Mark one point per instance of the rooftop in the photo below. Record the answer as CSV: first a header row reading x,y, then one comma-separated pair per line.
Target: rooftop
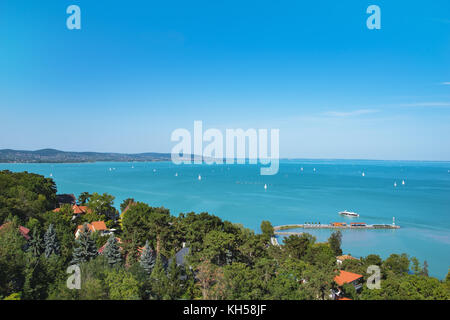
x,y
346,277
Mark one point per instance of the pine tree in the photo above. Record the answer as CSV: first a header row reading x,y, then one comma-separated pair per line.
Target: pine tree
x,y
35,244
159,280
51,242
112,251
425,268
86,249
176,280
148,258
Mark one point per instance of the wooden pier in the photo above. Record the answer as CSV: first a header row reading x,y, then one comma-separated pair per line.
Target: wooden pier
x,y
280,230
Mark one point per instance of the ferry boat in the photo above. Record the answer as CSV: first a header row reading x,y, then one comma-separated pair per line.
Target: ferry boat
x,y
348,213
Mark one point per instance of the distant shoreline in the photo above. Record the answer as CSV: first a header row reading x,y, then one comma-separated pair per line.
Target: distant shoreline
x,y
58,156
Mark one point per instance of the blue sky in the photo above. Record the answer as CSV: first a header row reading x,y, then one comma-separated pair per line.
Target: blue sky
x,y
137,70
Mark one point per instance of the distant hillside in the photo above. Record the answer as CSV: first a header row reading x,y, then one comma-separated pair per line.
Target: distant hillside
x,y
52,155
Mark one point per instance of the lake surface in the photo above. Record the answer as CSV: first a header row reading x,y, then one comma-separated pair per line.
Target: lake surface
x,y
421,206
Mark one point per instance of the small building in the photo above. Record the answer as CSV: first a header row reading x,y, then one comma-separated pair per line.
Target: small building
x,y
346,277
338,224
341,259
358,224
95,226
180,256
77,210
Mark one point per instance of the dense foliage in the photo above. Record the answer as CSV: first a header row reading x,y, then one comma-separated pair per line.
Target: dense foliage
x,y
155,255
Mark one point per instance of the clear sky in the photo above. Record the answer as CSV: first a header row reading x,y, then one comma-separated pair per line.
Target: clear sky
x,y
137,70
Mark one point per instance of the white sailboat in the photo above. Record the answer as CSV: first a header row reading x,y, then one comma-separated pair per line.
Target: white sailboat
x,y
199,177
51,174
265,186
395,183
363,174
403,182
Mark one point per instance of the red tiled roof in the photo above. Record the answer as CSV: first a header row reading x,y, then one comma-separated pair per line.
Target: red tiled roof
x,y
76,209
99,226
94,226
346,277
23,231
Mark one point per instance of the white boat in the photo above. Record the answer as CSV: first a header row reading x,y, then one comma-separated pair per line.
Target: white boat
x,y
265,187
363,174
348,213
395,183
176,174
403,182
199,177
301,169
314,169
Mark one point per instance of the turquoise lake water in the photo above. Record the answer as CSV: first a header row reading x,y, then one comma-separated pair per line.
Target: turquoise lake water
x,y
236,193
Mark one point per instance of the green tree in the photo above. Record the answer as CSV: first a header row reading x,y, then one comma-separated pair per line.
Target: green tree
x,y
12,259
335,242
103,205
112,251
125,203
219,247
83,198
397,264
122,285
297,245
51,242
35,245
159,280
86,249
148,258
176,281
25,195
267,229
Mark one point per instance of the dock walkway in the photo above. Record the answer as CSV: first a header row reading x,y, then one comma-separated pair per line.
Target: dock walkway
x,y
279,230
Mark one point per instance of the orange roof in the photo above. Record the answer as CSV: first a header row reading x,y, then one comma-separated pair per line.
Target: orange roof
x,y
345,257
76,209
99,225
344,298
94,226
346,277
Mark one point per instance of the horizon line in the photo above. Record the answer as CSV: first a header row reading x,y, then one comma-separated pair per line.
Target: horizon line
x,y
190,155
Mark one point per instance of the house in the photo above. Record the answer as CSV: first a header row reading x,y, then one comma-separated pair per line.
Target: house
x,y
95,226
23,231
180,256
63,199
346,277
77,210
341,259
